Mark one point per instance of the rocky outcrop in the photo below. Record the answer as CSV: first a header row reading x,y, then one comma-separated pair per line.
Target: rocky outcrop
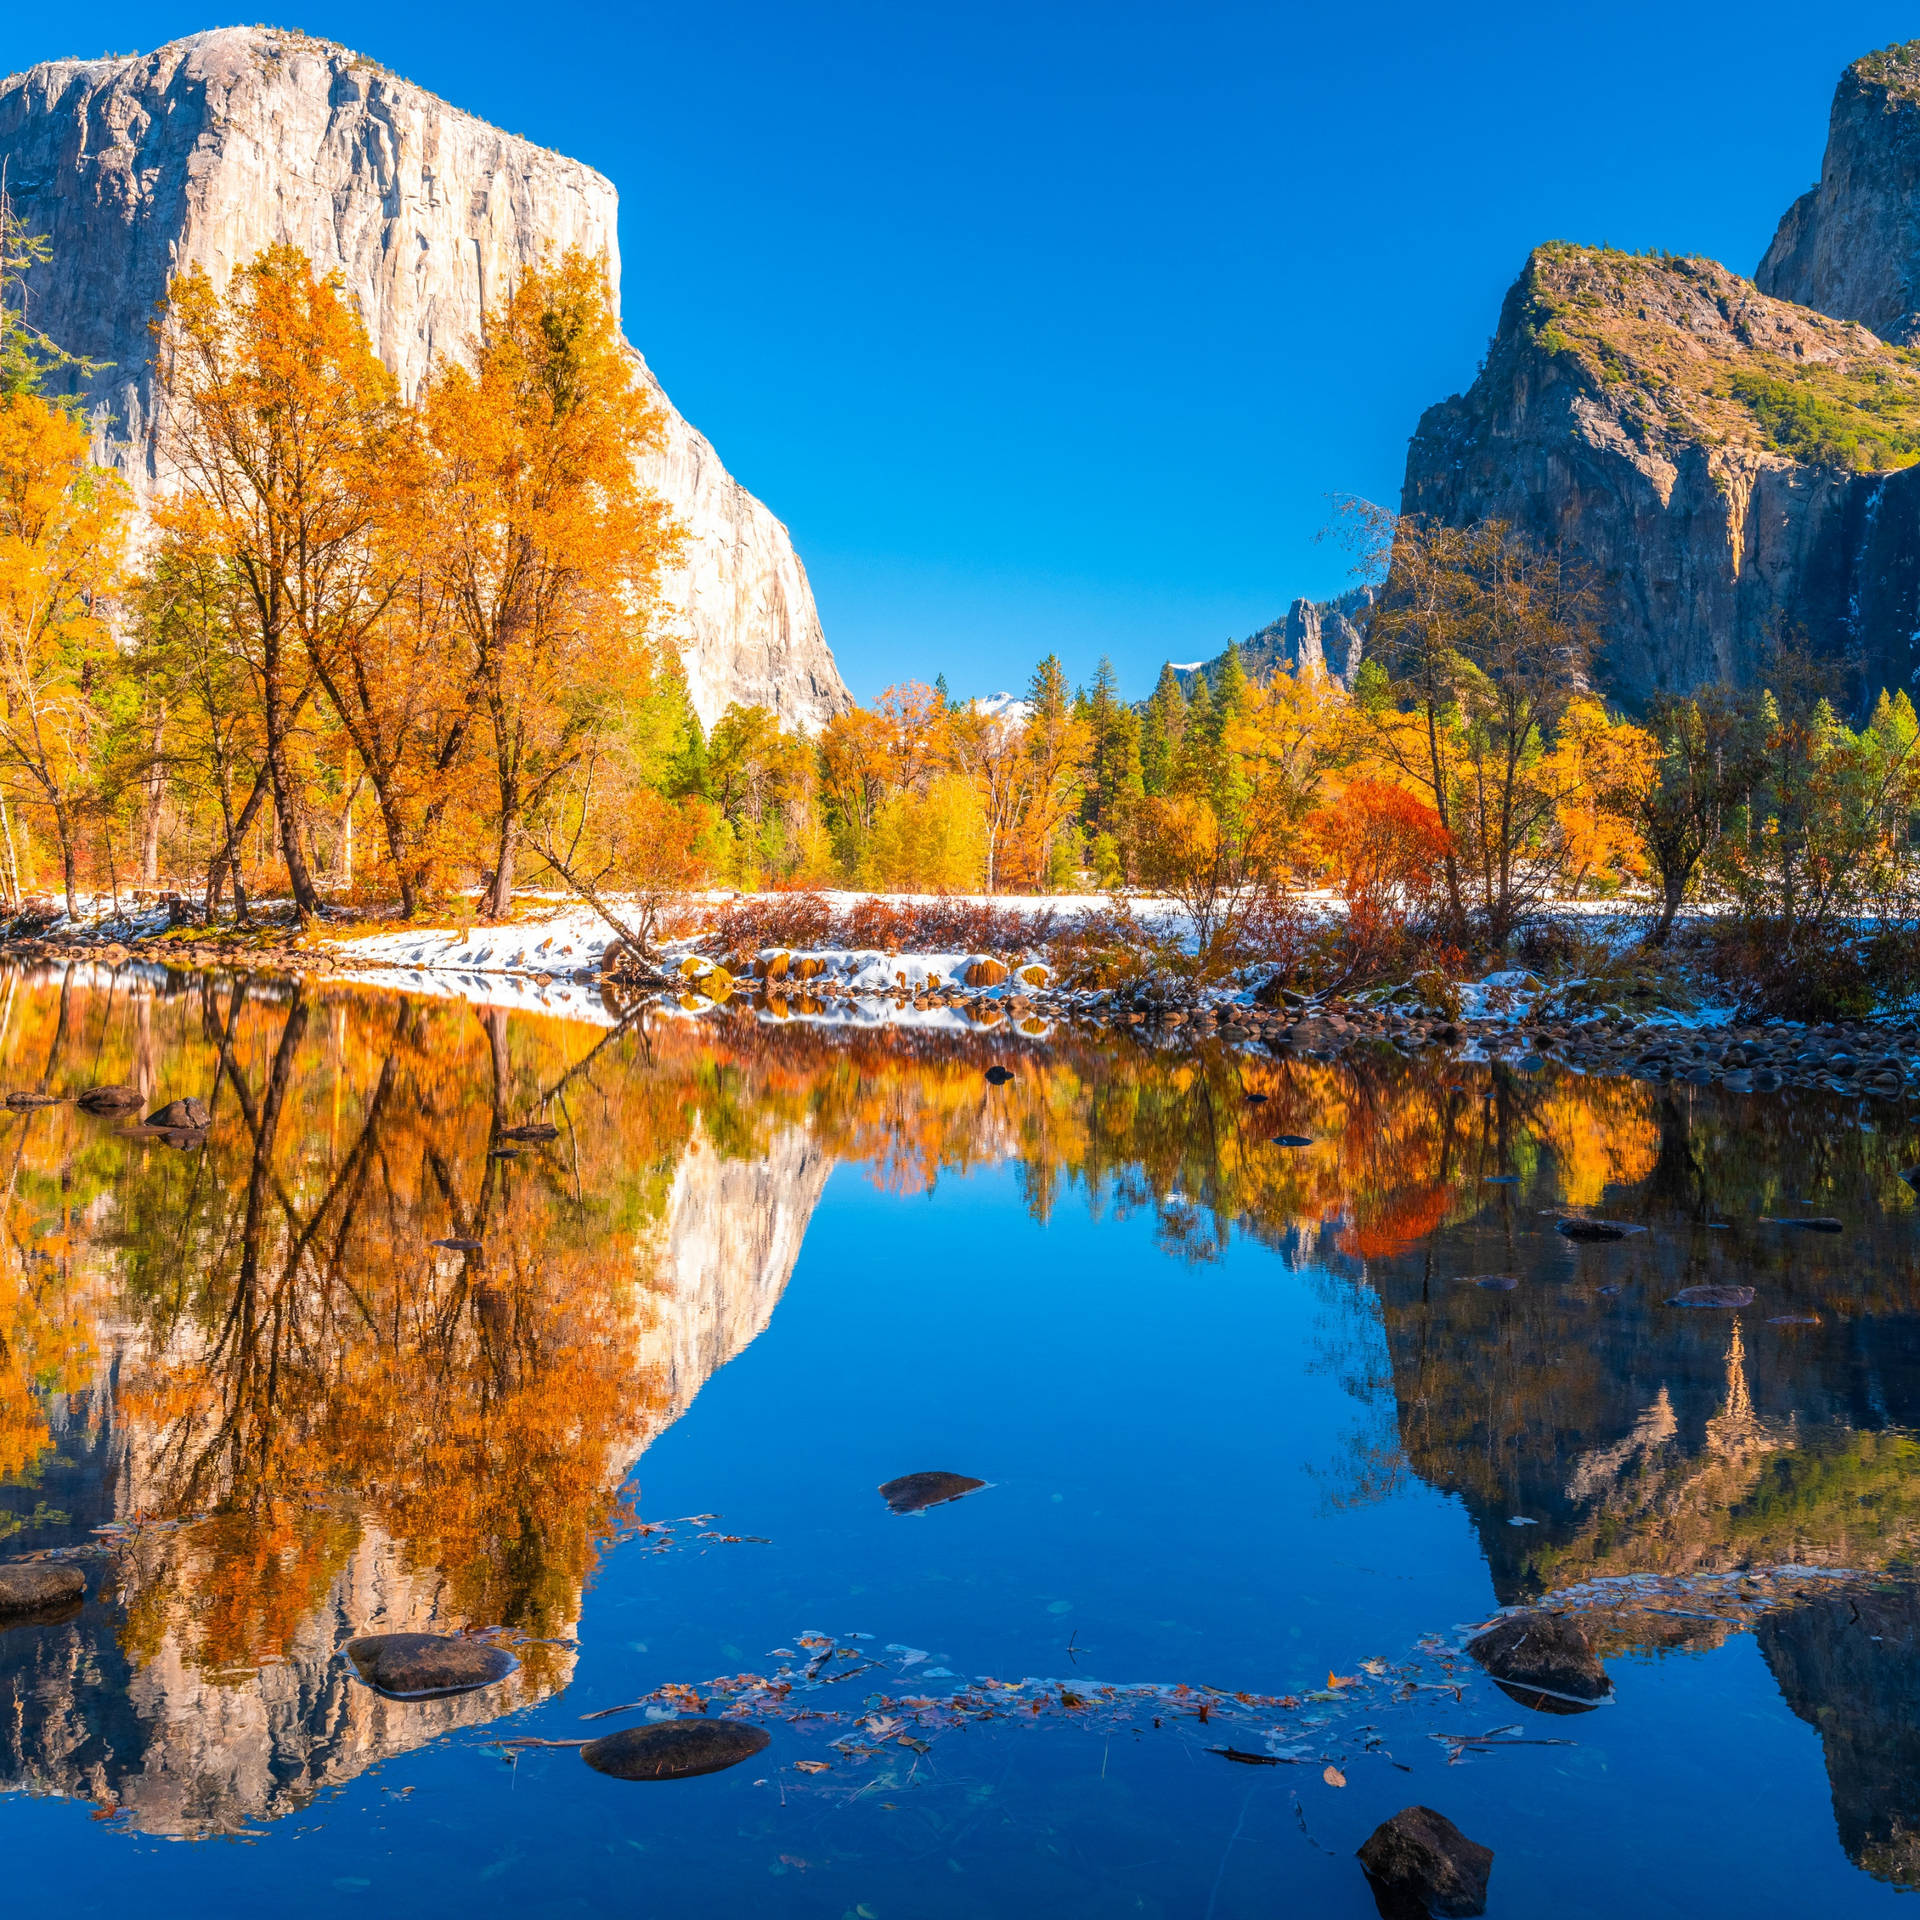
x,y
1322,636
1731,468
216,146
1850,245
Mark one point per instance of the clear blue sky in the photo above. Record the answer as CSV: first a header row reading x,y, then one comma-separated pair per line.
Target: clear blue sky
x,y
1052,327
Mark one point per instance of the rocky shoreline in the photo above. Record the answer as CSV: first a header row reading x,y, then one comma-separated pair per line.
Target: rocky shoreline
x,y
1869,1057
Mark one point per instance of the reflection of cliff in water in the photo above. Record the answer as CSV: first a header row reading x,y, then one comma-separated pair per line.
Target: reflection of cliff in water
x,y
124,1706
1636,1436
1849,1665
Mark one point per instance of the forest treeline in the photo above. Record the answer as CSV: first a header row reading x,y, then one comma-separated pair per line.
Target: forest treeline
x,y
380,651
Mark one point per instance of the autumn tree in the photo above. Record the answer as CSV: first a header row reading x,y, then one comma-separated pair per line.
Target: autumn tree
x,y
549,549
288,440
62,531
1488,640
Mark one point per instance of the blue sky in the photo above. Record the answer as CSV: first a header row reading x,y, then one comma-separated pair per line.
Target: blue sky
x,y
1051,327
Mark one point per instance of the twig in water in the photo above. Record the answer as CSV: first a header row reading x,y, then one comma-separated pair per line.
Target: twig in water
x,y
1213,1898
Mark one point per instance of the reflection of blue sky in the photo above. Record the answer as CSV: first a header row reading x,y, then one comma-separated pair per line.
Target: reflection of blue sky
x,y
1168,1446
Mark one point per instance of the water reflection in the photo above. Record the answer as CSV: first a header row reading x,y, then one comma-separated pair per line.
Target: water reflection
x,y
243,1376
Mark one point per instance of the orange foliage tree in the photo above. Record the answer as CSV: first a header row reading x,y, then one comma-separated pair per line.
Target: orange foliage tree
x,y
1384,847
549,549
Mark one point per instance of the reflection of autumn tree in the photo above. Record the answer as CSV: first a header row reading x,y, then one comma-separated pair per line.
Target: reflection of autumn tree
x,y
299,1363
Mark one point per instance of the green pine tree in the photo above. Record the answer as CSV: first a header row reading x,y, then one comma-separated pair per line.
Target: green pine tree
x,y
1161,728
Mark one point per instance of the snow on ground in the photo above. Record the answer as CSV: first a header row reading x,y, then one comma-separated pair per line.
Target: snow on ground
x,y
561,943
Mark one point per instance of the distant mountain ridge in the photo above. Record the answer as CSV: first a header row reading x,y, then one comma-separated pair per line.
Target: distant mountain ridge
x,y
1325,636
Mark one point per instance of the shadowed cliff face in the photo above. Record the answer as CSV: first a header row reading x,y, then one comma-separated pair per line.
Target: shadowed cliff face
x,y
1850,246
1849,1665
219,145
1608,419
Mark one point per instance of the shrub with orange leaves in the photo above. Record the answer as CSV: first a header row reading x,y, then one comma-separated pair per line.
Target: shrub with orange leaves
x,y
1384,847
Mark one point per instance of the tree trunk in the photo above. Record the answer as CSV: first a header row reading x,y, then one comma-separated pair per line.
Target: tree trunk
x,y
156,793
228,858
63,826
306,898
499,901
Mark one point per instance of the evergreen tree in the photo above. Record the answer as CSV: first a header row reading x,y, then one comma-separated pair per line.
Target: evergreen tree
x,y
1231,689
1115,772
1161,728
1194,760
941,697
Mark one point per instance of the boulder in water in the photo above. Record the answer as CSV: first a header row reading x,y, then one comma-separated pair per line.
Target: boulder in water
x,y
674,1749
1540,1653
424,1666
112,1099
531,1130
998,1076
31,1098
1814,1223
1420,1863
915,1492
1712,1297
180,1116
1293,1140
1596,1229
33,1588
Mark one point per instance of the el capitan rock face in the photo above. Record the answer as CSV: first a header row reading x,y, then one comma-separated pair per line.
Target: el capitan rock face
x,y
218,145
1850,245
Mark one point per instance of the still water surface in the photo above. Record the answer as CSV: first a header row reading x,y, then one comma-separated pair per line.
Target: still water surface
x,y
1246,1418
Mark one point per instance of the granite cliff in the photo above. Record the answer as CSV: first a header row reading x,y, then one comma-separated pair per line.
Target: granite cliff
x,y
1850,245
1734,459
1733,468
220,144
1319,636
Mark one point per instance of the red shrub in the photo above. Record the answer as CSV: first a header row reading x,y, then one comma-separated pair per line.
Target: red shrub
x,y
1384,846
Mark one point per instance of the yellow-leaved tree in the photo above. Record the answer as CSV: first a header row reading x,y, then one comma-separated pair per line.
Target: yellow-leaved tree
x,y
546,549
62,538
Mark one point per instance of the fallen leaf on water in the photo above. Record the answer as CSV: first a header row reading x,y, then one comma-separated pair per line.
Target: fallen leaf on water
x,y
1374,1667
811,1766
1336,1681
1334,1777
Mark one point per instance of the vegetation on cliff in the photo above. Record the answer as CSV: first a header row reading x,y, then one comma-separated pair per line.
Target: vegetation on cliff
x,y
1684,352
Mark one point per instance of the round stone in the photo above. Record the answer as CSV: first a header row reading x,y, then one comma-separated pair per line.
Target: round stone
x,y
674,1749
38,1586
423,1666
913,1492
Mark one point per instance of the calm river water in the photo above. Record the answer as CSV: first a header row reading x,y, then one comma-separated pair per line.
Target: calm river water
x,y
1248,1418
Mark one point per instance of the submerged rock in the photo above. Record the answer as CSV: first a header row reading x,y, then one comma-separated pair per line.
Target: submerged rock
x,y
112,1099
1537,1653
31,1098
180,1116
1712,1297
913,1492
456,1245
423,1666
674,1749
1494,1282
1292,1140
1815,1223
30,1587
1420,1863
998,1076
1596,1229
531,1130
